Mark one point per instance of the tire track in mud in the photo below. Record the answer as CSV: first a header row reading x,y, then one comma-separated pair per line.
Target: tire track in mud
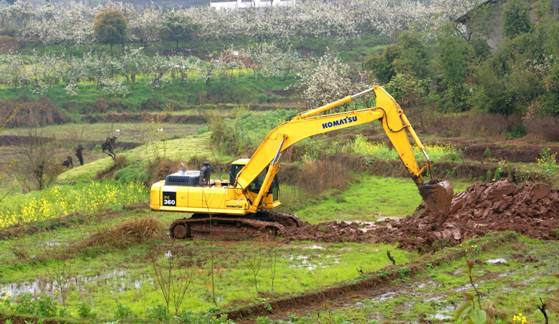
x,y
374,284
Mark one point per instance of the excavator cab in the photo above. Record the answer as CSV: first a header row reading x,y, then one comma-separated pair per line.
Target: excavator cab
x,y
255,186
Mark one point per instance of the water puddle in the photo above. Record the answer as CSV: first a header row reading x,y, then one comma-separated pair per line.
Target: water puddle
x,y
312,263
118,279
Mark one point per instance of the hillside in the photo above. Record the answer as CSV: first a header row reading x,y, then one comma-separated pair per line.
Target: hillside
x,y
339,216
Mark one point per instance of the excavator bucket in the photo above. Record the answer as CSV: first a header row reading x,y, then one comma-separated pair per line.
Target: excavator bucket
x,y
437,196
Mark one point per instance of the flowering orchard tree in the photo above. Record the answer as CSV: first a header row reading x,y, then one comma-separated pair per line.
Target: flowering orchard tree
x,y
42,71
69,21
329,80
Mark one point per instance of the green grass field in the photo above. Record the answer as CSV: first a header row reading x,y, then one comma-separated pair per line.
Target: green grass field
x,y
170,95
528,274
368,199
104,275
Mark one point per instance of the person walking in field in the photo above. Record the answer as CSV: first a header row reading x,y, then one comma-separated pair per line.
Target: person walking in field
x,y
109,146
69,162
79,153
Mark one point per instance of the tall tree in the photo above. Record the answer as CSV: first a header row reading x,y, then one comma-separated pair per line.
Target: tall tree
x,y
110,27
177,28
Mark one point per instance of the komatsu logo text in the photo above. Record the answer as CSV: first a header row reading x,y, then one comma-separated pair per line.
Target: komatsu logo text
x,y
343,121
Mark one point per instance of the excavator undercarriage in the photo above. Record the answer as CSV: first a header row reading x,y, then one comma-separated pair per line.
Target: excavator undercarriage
x,y
263,223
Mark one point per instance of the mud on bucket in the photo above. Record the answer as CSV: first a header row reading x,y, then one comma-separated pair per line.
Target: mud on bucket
x,y
437,196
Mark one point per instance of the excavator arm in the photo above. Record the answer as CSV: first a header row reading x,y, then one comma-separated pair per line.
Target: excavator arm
x,y
393,120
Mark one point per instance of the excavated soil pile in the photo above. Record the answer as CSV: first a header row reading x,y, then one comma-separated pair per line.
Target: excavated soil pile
x,y
531,209
123,235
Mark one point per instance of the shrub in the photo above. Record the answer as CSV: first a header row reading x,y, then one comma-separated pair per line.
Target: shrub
x,y
8,44
85,311
42,306
407,89
382,65
123,312
158,312
322,175
547,162
516,18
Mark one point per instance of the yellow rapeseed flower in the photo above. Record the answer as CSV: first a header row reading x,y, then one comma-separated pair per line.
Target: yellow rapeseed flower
x,y
519,319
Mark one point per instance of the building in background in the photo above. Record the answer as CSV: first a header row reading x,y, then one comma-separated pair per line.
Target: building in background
x,y
240,4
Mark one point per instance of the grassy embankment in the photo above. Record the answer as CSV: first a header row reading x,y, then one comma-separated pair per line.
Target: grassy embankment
x,y
528,274
244,88
99,276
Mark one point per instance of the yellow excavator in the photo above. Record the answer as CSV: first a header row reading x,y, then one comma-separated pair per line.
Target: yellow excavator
x,y
250,195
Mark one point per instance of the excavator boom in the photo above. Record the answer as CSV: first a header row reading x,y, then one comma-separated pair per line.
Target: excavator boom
x,y
249,191
396,125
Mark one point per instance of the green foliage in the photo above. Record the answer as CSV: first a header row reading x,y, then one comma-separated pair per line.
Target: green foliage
x,y
207,318
456,71
159,313
246,131
176,28
516,18
413,57
404,272
409,57
110,27
263,320
85,311
407,89
469,313
134,172
42,306
123,312
516,131
503,168
453,55
379,151
382,64
547,162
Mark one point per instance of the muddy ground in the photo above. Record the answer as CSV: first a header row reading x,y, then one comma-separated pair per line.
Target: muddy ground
x,y
531,209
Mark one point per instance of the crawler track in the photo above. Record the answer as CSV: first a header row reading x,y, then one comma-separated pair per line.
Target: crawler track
x,y
264,223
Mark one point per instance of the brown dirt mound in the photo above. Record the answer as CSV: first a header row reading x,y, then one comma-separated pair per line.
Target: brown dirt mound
x,y
34,113
125,234
531,209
